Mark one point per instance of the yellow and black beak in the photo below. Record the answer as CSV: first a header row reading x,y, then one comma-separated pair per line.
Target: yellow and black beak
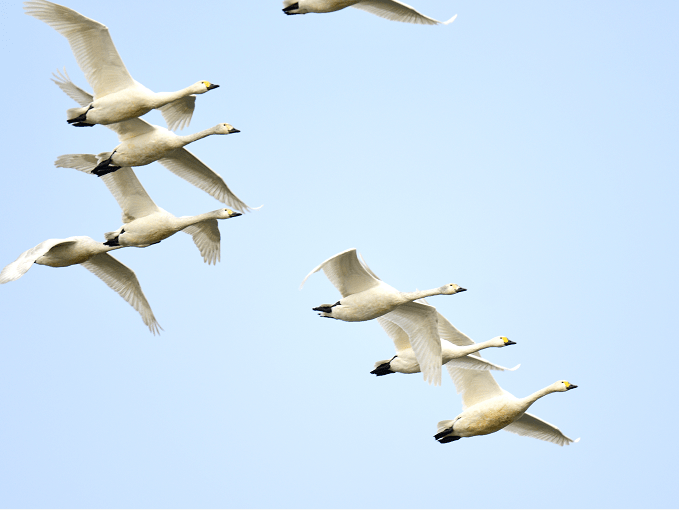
x,y
509,342
235,214
213,86
570,386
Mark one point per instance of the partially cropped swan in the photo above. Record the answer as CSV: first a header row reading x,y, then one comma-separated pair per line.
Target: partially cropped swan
x,y
137,148
366,297
457,349
144,222
488,408
92,256
117,96
389,9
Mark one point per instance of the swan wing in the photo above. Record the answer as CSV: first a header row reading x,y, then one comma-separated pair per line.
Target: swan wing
x,y
452,334
23,263
420,324
177,114
346,273
206,236
130,194
122,279
398,11
187,166
475,385
91,44
81,162
130,128
64,82
471,362
396,333
532,426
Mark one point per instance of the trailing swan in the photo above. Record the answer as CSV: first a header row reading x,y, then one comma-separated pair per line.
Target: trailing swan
x,y
457,349
389,9
137,148
488,408
366,297
92,256
117,96
144,222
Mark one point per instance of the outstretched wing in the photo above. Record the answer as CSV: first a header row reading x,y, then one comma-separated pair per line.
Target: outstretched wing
x,y
206,236
475,385
532,426
177,114
472,362
91,44
420,324
130,194
64,82
396,333
398,11
122,279
187,166
346,273
23,263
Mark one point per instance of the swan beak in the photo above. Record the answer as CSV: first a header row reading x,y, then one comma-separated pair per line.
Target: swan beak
x,y
235,215
234,130
570,386
461,289
509,342
213,86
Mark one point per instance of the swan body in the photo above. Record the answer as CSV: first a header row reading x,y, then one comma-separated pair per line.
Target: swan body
x,y
389,9
488,408
141,143
144,222
92,256
117,96
366,297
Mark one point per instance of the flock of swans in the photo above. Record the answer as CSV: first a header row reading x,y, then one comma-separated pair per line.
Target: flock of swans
x,y
424,339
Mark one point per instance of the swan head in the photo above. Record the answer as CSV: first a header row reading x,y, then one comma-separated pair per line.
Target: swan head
x,y
202,87
563,386
502,341
225,129
451,288
225,214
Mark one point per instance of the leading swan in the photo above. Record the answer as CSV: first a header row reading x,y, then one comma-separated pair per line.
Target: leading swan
x,y
117,96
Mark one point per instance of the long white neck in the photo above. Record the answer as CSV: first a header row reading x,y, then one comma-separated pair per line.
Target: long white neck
x,y
162,98
469,349
186,221
185,140
528,401
419,294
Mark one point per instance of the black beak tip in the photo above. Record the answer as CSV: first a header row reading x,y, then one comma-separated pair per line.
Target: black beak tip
x,y
572,386
234,130
213,86
236,214
509,342
461,289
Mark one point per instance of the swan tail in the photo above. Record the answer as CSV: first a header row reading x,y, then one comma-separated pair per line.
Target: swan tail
x,y
383,368
77,114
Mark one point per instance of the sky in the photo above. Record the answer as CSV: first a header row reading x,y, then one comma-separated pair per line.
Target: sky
x,y
527,152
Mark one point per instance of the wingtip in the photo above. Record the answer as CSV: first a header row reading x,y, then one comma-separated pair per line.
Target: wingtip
x,y
512,369
450,20
576,440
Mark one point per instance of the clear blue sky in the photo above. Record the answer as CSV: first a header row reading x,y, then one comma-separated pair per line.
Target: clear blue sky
x,y
527,152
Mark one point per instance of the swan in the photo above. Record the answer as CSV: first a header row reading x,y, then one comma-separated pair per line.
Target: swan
x,y
144,222
92,256
389,9
117,96
488,408
137,135
366,297
457,349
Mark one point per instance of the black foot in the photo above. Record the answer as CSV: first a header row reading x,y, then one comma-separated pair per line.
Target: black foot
x,y
448,439
444,433
81,124
112,242
80,118
291,8
383,369
326,309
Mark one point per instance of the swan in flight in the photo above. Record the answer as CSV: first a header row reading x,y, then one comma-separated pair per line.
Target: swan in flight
x,y
117,96
457,349
389,9
137,131
366,297
488,408
92,256
144,222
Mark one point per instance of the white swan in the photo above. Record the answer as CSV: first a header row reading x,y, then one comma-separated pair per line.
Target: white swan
x,y
92,256
117,96
457,349
138,136
488,408
144,222
389,9
366,297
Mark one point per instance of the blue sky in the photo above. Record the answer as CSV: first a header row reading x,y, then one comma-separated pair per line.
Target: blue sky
x,y
527,152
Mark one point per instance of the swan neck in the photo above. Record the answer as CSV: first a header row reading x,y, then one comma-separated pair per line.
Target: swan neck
x,y
538,394
163,98
187,221
470,349
187,139
419,294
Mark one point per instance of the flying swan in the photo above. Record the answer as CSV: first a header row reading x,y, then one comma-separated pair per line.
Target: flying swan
x,y
488,408
117,96
92,256
389,9
143,143
366,297
144,222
